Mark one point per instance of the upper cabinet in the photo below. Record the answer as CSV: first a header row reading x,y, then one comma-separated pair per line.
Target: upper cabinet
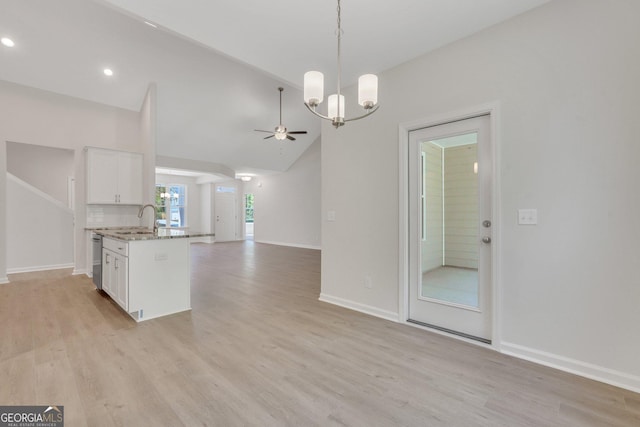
x,y
114,177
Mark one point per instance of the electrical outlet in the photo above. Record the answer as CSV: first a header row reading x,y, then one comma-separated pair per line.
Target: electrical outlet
x,y
527,216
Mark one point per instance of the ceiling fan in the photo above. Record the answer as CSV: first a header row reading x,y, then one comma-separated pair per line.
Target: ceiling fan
x,y
280,131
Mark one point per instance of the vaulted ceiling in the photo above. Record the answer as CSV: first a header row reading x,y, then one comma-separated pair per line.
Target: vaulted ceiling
x,y
218,64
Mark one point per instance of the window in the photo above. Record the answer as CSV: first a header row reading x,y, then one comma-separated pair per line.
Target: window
x,y
248,208
171,203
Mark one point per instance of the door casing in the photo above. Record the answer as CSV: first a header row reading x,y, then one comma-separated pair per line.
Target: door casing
x,y
493,110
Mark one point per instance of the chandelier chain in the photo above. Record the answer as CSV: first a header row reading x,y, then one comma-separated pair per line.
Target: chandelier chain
x,y
339,60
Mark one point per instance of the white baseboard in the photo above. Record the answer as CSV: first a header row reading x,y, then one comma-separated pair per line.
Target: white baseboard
x,y
206,239
363,308
77,272
4,280
584,369
38,268
293,245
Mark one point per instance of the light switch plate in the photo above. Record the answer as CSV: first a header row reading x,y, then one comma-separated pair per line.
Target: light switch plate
x,y
331,215
527,216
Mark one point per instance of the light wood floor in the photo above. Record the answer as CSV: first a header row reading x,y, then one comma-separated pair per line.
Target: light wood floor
x,y
259,349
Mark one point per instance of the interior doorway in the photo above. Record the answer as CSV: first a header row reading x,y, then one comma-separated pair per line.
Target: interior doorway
x,y
450,227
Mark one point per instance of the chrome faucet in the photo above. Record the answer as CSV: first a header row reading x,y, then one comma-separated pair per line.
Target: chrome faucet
x,y
155,214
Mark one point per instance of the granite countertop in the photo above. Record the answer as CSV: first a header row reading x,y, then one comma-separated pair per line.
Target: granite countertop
x,y
128,234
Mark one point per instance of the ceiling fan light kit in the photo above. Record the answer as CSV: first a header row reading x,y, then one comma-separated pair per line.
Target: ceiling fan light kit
x,y
280,132
314,91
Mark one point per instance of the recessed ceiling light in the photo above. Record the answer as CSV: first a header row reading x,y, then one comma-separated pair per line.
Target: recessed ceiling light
x,y
151,24
108,72
7,42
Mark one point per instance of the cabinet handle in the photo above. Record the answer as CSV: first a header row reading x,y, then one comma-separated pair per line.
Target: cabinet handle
x,y
107,259
116,263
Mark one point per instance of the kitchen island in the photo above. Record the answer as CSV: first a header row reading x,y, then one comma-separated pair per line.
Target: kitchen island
x,y
147,273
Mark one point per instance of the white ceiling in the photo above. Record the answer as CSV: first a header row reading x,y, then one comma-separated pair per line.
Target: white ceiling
x,y
217,64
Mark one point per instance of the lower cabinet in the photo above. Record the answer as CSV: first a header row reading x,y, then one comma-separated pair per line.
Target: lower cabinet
x,y
115,277
147,278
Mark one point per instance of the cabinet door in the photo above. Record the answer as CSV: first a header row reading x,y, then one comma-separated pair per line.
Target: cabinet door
x,y
122,282
102,183
130,178
107,271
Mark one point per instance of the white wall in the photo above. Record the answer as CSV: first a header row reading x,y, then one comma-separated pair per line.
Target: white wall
x,y
460,207
39,229
206,201
37,117
46,168
148,137
565,76
287,205
432,245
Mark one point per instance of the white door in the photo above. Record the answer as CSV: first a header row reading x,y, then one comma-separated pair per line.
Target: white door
x,y
226,215
450,221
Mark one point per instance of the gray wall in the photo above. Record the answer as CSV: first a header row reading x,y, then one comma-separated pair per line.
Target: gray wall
x,y
45,168
565,76
287,205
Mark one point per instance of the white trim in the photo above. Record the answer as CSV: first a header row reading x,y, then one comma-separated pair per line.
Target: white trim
x,y
493,109
4,280
71,193
362,308
449,335
38,268
293,245
584,369
77,272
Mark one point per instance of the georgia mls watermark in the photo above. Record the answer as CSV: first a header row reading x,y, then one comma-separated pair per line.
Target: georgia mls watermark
x,y
31,416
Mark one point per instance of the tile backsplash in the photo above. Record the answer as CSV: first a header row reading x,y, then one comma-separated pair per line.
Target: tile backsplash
x,y
112,216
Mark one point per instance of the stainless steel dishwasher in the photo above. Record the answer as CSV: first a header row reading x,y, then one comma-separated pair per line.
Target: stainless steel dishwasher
x,y
96,243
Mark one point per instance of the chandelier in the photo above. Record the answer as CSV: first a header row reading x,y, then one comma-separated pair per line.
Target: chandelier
x,y
314,91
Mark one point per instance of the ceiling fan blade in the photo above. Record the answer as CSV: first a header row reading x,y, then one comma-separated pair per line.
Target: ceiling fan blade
x,y
296,132
267,137
267,131
289,137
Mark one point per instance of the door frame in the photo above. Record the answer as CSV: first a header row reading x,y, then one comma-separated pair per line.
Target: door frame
x,y
493,110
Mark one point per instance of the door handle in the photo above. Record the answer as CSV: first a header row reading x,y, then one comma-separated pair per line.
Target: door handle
x,y
486,239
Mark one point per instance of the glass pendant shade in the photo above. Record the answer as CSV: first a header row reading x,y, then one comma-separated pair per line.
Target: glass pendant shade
x,y
314,91
332,106
313,87
280,136
368,90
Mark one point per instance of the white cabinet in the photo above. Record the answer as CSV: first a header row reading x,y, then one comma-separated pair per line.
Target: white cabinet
x,y
115,271
130,178
114,177
107,259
